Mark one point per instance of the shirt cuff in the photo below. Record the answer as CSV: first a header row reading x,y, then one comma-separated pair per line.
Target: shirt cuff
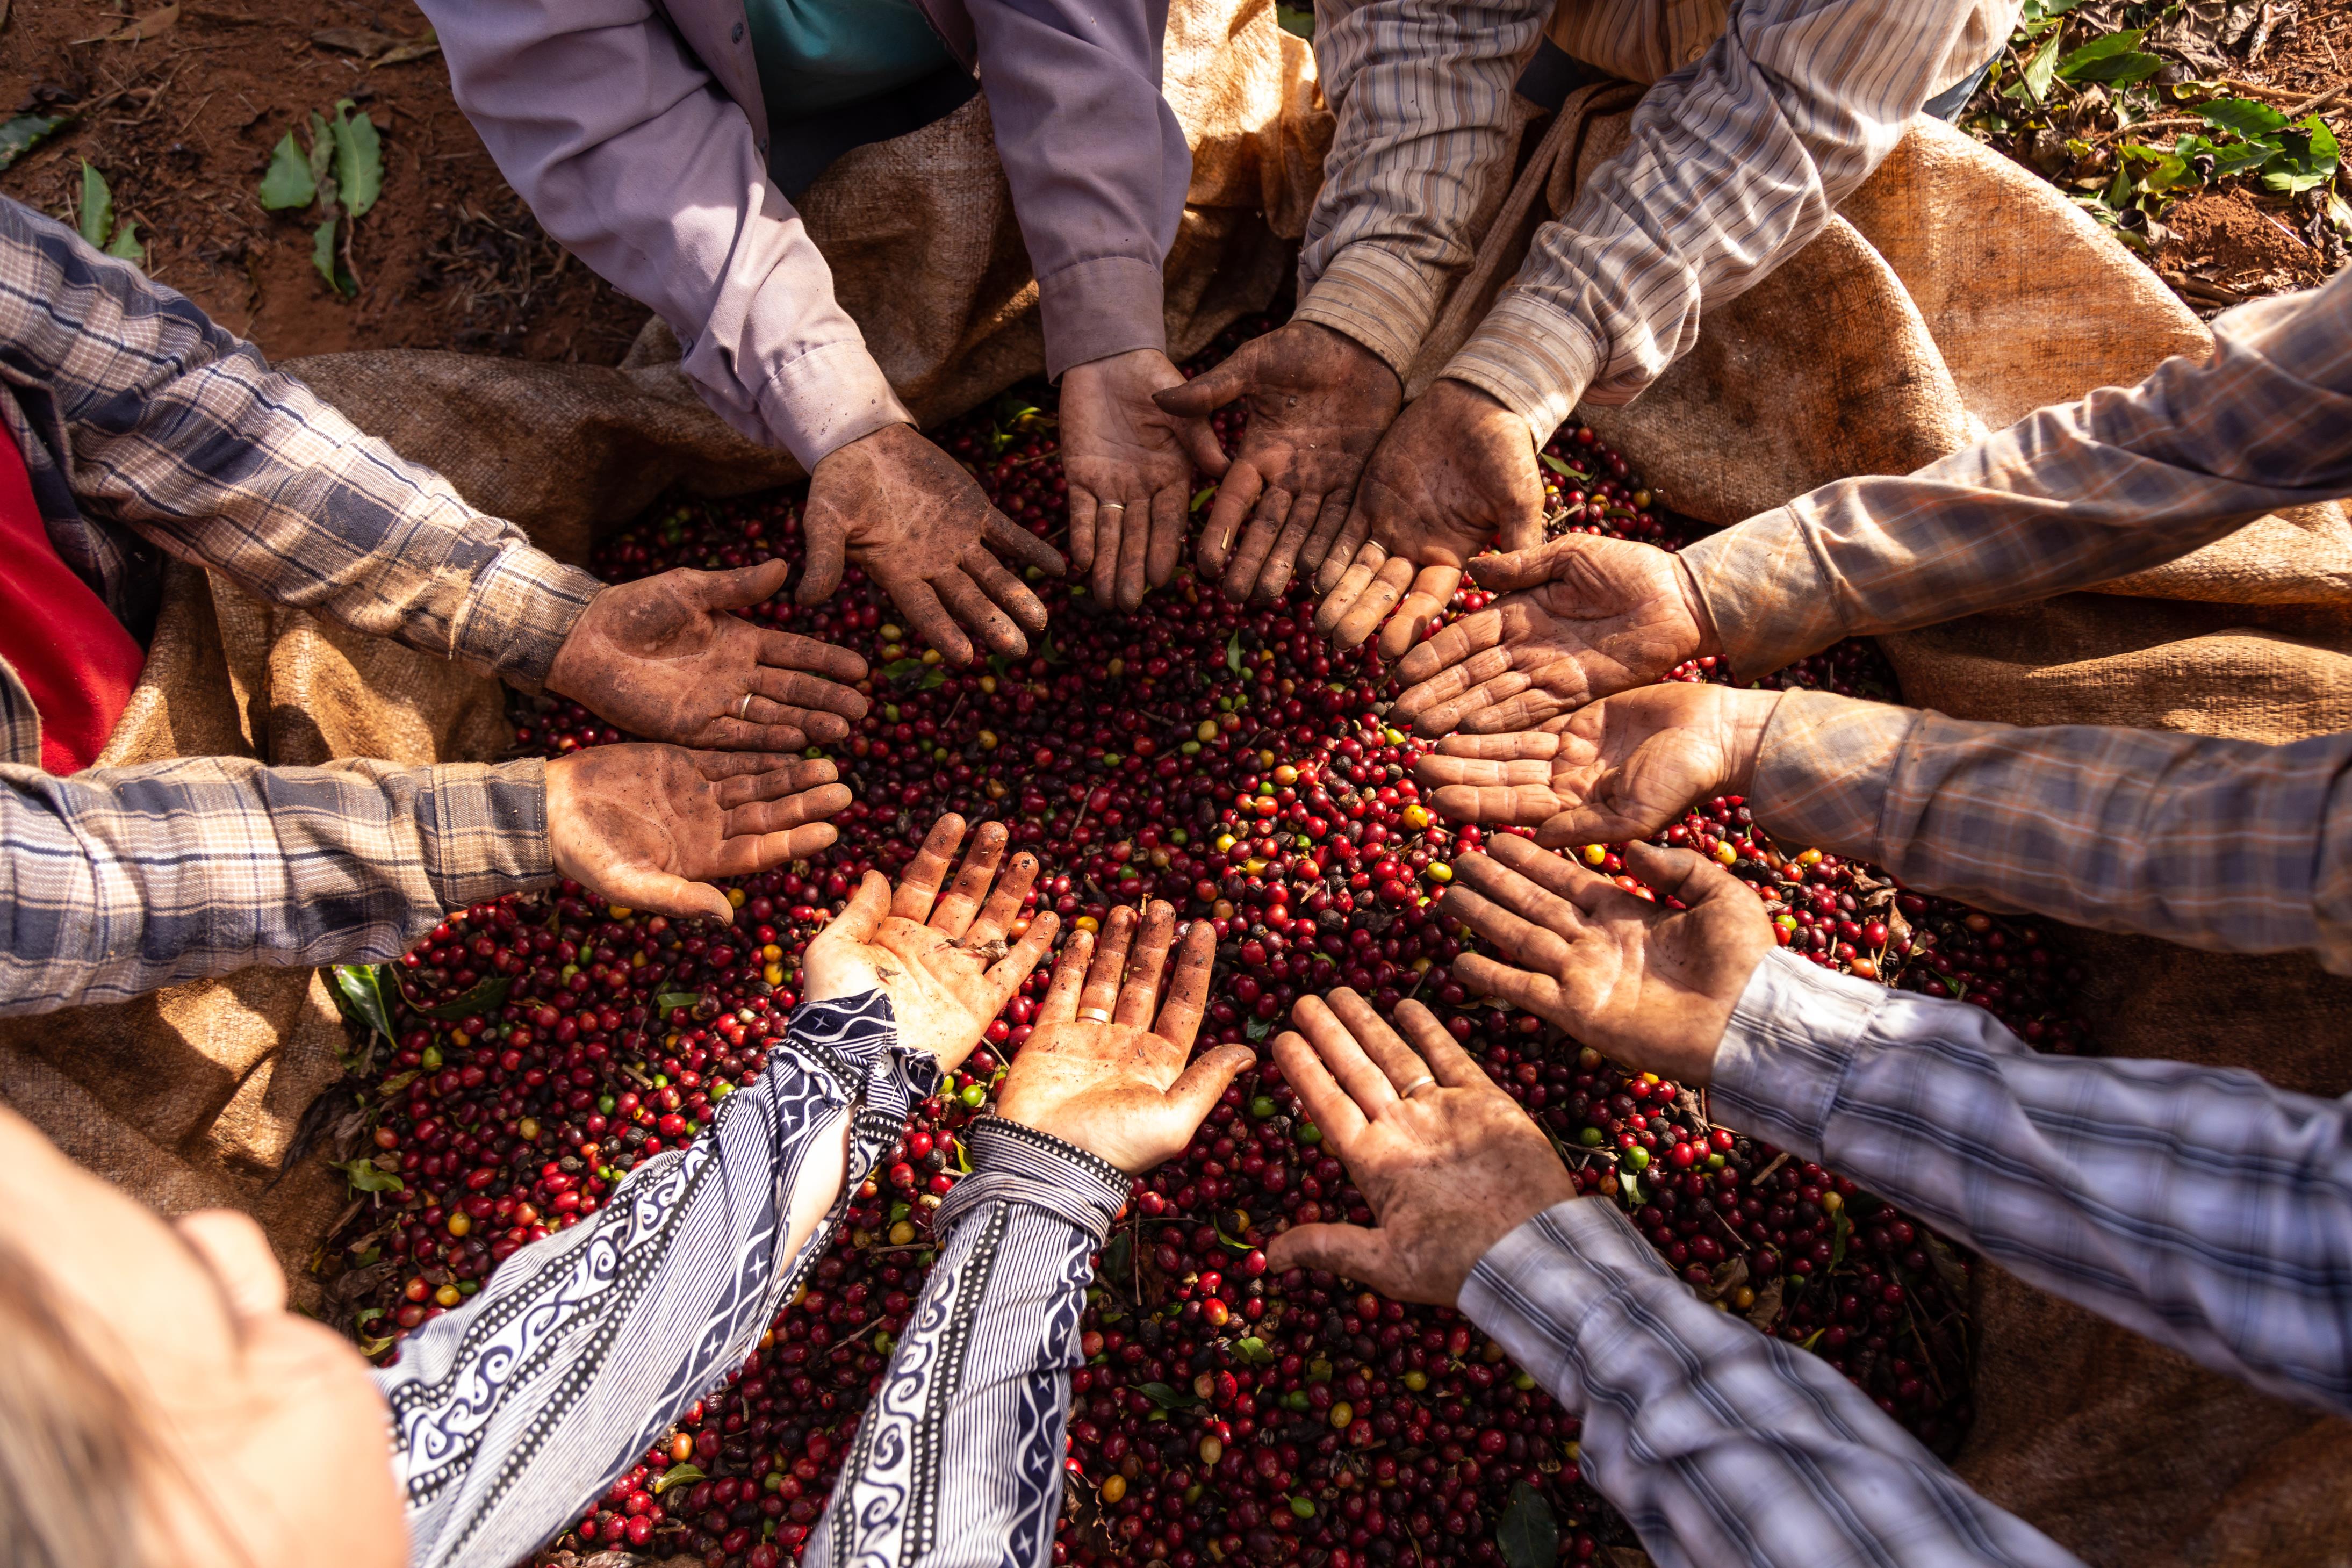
x,y
1012,1162
825,399
1785,1051
1535,360
1535,1288
517,613
1378,298
1765,590
1095,308
854,1041
482,828
1825,769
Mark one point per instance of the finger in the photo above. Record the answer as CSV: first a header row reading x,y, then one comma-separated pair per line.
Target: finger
x,y
953,915
751,853
646,888
1197,1088
827,669
1534,745
1471,635
1522,988
1326,1103
1502,806
1452,1066
1382,1044
821,568
1443,701
1200,440
1168,515
1024,547
1111,523
1139,995
1534,927
1081,529
1343,1053
1257,543
862,916
1351,1251
1339,600
1027,610
976,611
1061,1003
1518,704
1330,516
1557,873
1004,906
921,606
1372,608
1237,498
239,1258
804,693
1101,994
741,588
1274,575
1188,992
1681,874
1015,966
1354,534
742,776
919,884
1207,391
730,733
1516,571
1134,542
783,815
1432,588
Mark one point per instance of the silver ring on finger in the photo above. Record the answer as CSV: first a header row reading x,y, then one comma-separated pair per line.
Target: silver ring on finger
x,y
1416,1086
1094,1015
743,709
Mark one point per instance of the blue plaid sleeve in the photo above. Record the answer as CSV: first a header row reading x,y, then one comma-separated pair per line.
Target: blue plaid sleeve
x,y
2198,1206
119,880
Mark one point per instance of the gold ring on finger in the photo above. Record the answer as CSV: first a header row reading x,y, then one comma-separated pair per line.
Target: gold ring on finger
x,y
743,709
1095,1015
1112,506
1416,1086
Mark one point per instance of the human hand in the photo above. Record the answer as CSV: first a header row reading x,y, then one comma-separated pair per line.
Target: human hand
x,y
1652,986
942,959
1448,1162
1317,402
1585,616
1130,463
1120,1089
1625,768
1454,471
653,826
917,524
661,657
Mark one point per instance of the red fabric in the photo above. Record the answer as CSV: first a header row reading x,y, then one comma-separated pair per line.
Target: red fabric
x,y
72,655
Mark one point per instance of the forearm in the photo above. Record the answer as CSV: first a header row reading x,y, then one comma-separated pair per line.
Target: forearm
x,y
2070,496
958,1460
1720,1446
1421,92
1096,160
1732,166
2199,1207
2218,844
629,154
121,880
511,1412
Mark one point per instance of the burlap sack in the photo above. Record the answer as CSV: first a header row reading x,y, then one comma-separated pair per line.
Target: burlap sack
x,y
1953,293
193,1096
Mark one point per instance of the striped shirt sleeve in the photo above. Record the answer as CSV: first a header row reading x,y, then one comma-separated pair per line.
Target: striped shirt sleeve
x,y
159,421
2198,1206
1734,163
2228,845
2069,496
514,1411
1722,1448
117,881
958,1461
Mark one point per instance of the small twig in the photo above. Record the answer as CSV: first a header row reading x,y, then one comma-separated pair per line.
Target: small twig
x,y
855,1335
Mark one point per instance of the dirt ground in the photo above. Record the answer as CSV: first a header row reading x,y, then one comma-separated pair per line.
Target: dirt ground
x,y
181,123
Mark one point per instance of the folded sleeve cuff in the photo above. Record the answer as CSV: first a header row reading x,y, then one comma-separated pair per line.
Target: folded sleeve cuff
x,y
825,399
483,830
1765,590
1095,308
1376,298
1825,769
1535,360
1534,1288
517,613
1017,1163
1785,1051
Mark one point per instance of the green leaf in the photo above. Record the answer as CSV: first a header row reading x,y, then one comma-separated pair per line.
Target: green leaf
x,y
1258,1028
1253,1351
287,183
97,207
2042,65
669,999
1528,1534
480,1002
2308,158
363,993
1234,652
1840,1228
2114,59
1200,496
1296,21
2242,115
678,1476
1630,1186
322,256
322,161
1231,1243
1118,1257
364,1175
1165,1397
1556,466
24,132
358,159
127,246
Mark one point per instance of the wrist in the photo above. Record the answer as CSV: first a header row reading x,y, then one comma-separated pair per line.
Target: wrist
x,y
1746,719
1449,398
1706,642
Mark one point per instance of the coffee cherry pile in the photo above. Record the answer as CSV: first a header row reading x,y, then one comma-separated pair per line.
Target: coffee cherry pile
x,y
1227,760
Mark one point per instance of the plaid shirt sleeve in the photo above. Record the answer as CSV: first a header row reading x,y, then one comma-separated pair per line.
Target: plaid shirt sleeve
x,y
164,423
958,1461
2196,1205
1719,1445
119,881
2067,497
2217,844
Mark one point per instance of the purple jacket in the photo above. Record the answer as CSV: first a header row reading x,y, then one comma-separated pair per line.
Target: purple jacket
x,y
636,132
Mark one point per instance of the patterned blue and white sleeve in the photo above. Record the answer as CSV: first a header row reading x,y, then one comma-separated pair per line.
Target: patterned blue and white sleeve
x,y
958,1462
509,1414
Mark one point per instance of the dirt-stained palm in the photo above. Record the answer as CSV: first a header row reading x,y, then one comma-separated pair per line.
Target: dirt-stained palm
x,y
1131,465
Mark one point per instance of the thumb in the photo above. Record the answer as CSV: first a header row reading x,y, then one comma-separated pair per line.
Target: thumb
x,y
1355,1251
742,587
862,916
821,574
1196,1090
1518,569
1206,393
1209,459
644,887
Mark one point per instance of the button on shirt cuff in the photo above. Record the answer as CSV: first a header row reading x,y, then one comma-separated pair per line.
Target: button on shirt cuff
x,y
1015,1162
1785,1051
1095,308
1376,298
